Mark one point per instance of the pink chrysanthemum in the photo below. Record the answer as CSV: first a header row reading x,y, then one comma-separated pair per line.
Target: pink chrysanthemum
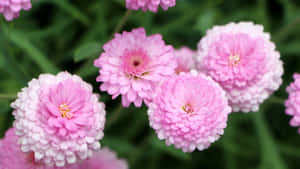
x,y
104,159
293,102
185,59
151,5
189,111
243,60
11,8
132,64
59,119
11,156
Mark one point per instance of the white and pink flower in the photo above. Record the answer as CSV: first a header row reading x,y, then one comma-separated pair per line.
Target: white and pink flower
x,y
243,60
59,119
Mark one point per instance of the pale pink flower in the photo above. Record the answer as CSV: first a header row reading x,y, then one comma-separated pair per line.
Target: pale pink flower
x,y
104,159
151,5
132,64
59,119
11,156
243,60
185,59
11,8
293,103
189,111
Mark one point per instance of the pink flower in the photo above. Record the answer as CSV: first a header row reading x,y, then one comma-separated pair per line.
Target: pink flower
x,y
11,8
11,156
151,5
189,111
104,159
243,60
293,103
185,59
132,64
59,119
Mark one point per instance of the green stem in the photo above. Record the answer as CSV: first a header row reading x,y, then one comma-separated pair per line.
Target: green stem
x,y
275,99
116,114
122,22
135,155
117,29
286,30
269,151
7,96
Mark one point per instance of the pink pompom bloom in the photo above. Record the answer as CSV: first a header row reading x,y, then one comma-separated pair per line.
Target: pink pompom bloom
x,y
189,111
243,60
185,59
11,8
151,5
104,159
59,119
293,103
11,156
132,64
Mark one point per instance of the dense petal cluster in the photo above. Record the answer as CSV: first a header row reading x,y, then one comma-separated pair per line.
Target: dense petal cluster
x,y
293,103
185,59
151,5
11,8
11,156
243,60
132,64
59,119
189,111
104,159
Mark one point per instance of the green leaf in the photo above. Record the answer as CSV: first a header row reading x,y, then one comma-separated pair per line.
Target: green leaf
x,y
121,2
72,10
121,146
33,53
287,29
2,61
290,48
4,113
13,70
87,69
159,144
86,51
206,20
269,151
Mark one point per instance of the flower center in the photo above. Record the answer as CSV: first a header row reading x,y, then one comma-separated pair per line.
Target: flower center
x,y
65,111
234,59
136,63
188,108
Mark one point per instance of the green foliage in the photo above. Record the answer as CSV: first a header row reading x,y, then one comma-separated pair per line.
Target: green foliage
x,y
33,53
87,50
176,153
58,35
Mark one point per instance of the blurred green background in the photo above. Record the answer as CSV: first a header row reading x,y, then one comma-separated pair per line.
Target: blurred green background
x,y
59,35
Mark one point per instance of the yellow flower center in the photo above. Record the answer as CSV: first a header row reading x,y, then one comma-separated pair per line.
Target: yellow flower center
x,y
65,111
188,108
234,59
